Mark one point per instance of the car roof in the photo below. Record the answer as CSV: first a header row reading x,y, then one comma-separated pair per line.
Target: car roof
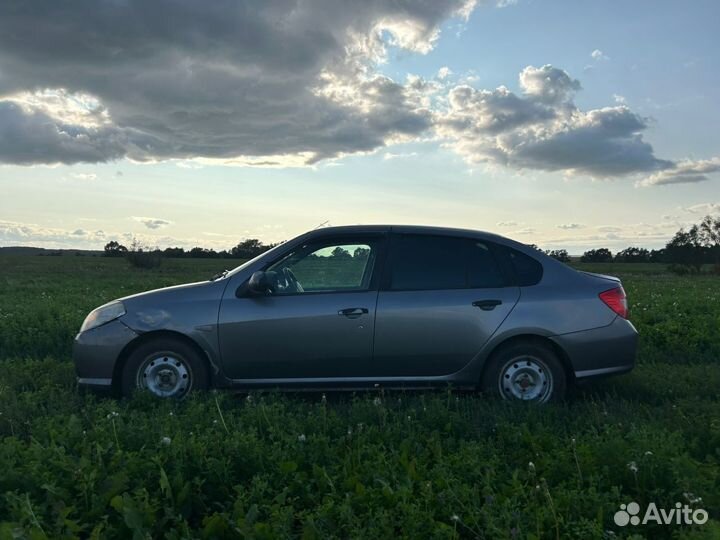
x,y
413,229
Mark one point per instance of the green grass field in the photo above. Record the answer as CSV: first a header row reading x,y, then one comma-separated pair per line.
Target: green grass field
x,y
370,465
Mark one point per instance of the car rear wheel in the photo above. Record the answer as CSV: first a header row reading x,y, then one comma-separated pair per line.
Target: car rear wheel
x,y
166,368
525,372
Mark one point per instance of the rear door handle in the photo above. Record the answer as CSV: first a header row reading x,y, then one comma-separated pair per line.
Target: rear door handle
x,y
353,312
487,305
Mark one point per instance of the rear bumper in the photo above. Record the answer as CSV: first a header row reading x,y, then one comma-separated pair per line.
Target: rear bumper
x,y
600,352
96,351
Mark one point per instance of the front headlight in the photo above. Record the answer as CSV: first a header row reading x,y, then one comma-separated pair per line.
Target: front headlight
x,y
103,314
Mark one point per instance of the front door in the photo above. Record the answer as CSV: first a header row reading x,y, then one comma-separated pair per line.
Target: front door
x,y
317,322
441,300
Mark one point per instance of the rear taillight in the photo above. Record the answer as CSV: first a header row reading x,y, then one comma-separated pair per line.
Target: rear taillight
x,y
616,300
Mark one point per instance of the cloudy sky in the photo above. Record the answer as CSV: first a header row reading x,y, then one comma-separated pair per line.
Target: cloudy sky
x,y
566,124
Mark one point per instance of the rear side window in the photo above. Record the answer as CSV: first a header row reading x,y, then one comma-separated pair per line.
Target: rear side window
x,y
427,262
482,268
420,262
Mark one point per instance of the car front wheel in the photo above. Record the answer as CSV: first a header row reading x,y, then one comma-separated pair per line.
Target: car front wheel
x,y
525,372
166,368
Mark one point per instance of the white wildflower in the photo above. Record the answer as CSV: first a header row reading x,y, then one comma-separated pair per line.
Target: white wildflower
x,y
166,441
301,437
633,467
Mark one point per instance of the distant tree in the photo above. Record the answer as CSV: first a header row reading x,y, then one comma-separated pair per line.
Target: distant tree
x,y
559,254
686,249
361,253
141,256
710,237
658,256
202,253
174,252
633,255
340,253
597,255
114,249
247,249
534,246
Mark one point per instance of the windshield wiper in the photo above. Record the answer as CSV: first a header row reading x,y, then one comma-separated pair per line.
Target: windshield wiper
x,y
219,275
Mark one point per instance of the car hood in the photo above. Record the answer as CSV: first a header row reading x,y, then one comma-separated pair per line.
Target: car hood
x,y
181,307
166,292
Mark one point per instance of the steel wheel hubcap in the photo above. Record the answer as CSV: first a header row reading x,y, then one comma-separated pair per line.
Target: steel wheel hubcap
x,y
526,379
165,376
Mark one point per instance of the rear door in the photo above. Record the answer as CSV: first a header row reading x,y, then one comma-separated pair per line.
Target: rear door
x,y
441,299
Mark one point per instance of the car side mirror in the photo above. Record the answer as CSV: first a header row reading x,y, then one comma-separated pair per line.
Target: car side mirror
x,y
259,284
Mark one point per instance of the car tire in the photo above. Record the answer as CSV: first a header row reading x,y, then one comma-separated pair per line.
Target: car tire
x,y
167,368
525,371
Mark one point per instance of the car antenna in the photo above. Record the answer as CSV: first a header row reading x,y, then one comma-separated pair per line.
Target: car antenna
x,y
323,223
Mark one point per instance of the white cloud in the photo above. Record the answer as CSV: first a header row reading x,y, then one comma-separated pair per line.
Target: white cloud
x,y
85,176
298,85
507,224
443,73
32,234
620,100
390,155
682,172
599,56
569,226
15,233
151,222
703,208
263,84
543,129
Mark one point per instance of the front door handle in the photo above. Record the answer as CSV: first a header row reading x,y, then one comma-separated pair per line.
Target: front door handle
x,y
487,305
353,312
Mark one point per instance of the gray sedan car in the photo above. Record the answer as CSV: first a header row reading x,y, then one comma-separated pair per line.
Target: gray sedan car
x,y
362,306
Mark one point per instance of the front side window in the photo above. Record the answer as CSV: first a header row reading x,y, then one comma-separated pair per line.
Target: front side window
x,y
325,267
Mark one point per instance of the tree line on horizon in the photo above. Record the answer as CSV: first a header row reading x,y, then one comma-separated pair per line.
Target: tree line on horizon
x,y
247,249
686,252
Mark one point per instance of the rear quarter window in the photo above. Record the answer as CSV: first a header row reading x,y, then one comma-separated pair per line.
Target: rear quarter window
x,y
527,270
522,270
